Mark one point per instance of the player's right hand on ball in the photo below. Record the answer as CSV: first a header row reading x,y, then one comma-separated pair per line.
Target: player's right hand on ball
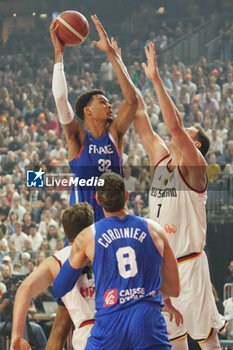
x,y
57,44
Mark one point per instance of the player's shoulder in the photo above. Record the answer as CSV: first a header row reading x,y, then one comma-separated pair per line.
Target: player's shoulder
x,y
62,254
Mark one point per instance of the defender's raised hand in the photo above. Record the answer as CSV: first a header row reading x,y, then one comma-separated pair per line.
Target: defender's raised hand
x,y
115,46
151,68
103,43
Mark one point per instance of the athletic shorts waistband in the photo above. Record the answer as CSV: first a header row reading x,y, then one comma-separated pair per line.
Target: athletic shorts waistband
x,y
87,323
188,257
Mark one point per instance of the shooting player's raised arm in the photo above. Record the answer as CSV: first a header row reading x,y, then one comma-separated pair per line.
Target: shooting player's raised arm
x,y
74,131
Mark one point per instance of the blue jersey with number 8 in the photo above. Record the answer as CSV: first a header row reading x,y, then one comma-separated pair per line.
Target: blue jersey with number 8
x,y
97,156
127,265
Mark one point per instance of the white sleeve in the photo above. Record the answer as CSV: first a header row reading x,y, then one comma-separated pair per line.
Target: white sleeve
x,y
60,93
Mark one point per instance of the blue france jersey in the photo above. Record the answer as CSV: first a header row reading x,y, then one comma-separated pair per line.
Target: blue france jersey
x,y
127,264
97,156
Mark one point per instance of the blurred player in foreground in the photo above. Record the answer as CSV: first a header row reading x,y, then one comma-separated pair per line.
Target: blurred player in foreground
x,y
81,305
132,263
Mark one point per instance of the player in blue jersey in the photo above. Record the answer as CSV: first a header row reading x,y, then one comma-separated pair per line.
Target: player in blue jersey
x,y
134,269
97,148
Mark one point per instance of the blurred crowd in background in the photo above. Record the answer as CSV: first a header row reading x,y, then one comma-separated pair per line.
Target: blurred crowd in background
x,y
31,137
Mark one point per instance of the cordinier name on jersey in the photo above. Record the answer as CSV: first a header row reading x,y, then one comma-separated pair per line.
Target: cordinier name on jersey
x,y
129,294
99,149
119,233
163,192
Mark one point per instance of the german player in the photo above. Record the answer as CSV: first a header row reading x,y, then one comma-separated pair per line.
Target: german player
x,y
177,201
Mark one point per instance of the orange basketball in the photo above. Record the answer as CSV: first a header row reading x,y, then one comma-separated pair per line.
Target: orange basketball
x,y
73,28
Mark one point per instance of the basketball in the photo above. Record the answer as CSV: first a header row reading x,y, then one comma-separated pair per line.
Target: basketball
x,y
73,28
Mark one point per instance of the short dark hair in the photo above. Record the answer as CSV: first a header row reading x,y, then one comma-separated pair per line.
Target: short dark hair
x,y
76,218
203,139
84,99
112,194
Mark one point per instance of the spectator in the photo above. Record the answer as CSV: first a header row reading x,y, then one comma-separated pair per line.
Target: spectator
x,y
22,129
202,95
229,152
45,247
6,276
229,278
43,150
55,153
28,247
35,237
191,87
31,265
4,208
106,75
27,222
129,180
41,257
13,217
52,236
19,237
9,163
216,144
46,221
214,89
213,169
210,104
52,124
33,135
228,85
15,145
24,262
2,286
17,207
222,131
24,161
3,249
52,139
41,123
228,313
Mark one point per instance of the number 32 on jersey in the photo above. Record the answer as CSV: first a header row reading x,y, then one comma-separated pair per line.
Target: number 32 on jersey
x,y
104,165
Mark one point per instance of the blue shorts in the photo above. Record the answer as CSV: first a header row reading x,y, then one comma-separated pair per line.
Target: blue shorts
x,y
138,327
